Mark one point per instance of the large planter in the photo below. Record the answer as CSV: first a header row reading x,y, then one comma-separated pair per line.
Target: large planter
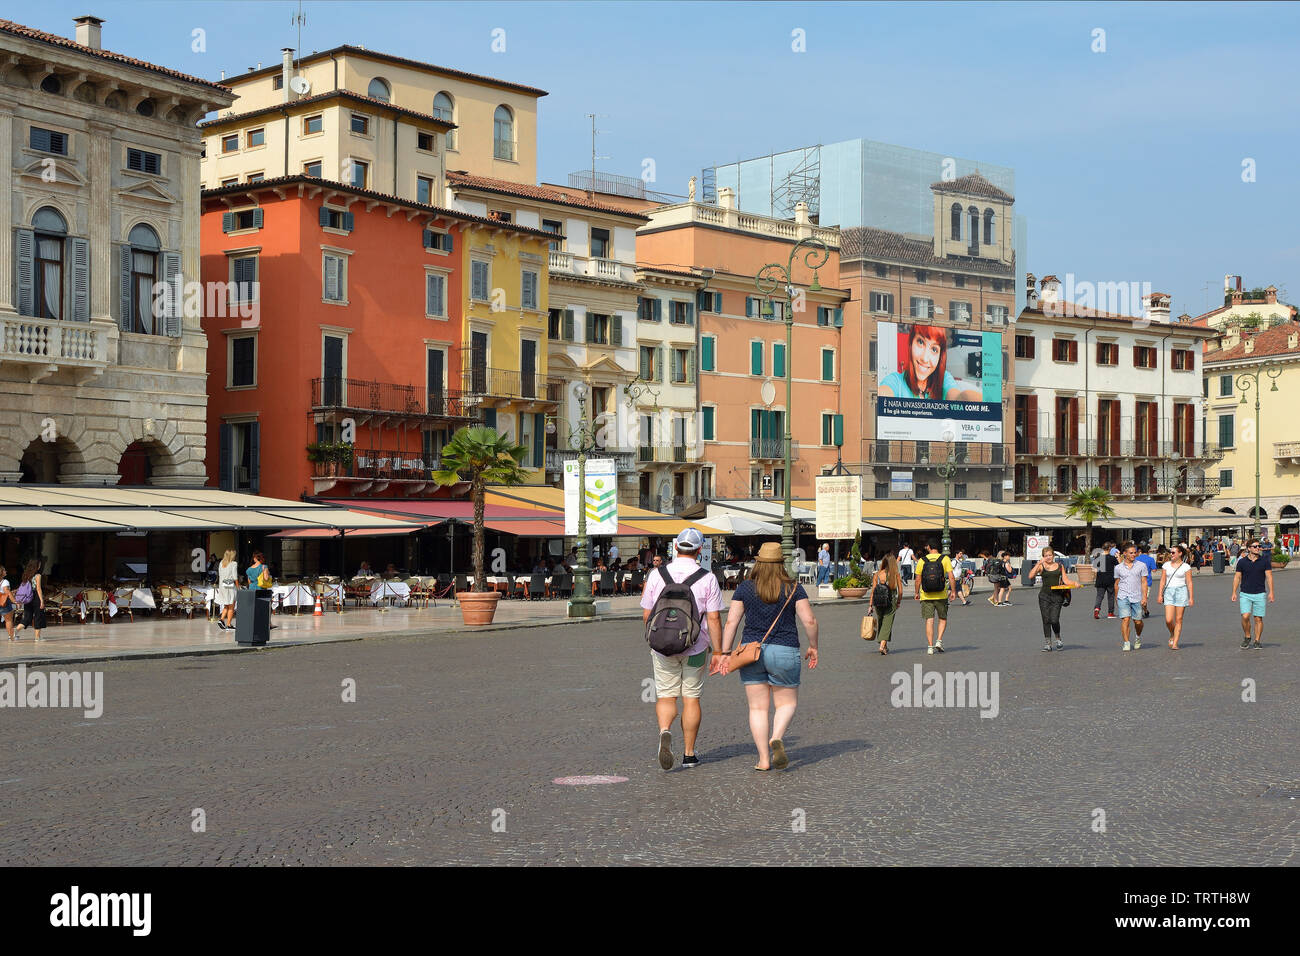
x,y
478,607
1085,573
852,592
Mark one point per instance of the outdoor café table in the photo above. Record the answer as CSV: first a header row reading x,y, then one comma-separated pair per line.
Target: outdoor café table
x,y
134,598
395,591
524,580
497,582
292,595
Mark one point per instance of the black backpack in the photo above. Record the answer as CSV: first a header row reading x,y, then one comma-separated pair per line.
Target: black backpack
x,y
882,597
674,622
932,574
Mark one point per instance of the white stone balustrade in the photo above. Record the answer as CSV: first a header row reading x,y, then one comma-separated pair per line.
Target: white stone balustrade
x,y
52,342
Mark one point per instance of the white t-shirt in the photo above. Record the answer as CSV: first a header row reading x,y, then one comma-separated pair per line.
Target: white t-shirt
x,y
1176,577
613,553
906,556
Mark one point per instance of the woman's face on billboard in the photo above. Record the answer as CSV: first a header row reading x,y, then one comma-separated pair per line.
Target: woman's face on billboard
x,y
925,357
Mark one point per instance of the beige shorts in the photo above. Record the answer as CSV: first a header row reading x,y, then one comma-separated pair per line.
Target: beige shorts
x,y
676,678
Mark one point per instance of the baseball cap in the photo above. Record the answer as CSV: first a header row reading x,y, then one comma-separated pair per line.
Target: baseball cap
x,y
690,540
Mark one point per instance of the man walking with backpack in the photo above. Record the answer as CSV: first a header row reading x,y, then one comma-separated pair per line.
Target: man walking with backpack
x,y
683,615
935,587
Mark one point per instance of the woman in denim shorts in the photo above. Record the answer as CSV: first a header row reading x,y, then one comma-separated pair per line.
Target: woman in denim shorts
x,y
1176,591
766,603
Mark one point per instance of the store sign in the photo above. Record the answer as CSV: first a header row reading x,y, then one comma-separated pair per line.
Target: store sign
x,y
600,498
839,505
900,481
1034,545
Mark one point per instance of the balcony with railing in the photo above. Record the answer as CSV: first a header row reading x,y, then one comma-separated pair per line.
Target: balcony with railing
x,y
53,343
771,449
969,454
669,505
731,218
378,465
1287,452
1139,486
388,398
668,454
625,459
1050,446
483,384
592,267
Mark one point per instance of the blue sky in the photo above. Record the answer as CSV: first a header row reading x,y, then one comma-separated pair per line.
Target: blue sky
x,y
1128,162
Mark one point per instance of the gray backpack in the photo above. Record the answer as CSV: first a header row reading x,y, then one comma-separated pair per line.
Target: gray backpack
x,y
674,622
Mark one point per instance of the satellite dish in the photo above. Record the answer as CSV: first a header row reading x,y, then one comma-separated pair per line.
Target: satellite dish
x,y
300,85
768,392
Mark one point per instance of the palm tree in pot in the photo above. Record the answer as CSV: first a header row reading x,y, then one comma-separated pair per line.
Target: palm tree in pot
x,y
1089,504
482,456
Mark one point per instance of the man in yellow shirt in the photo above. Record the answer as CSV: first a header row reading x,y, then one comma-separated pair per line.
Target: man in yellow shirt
x,y
935,586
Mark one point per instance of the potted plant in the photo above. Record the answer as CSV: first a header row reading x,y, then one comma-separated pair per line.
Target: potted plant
x,y
1280,557
854,584
481,456
1088,504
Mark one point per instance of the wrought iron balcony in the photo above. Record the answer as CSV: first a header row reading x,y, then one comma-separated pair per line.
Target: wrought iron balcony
x,y
936,453
1051,446
357,395
1140,486
481,383
378,465
767,449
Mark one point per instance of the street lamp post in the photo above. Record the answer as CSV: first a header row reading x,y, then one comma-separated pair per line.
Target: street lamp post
x,y
1246,381
582,438
946,471
770,278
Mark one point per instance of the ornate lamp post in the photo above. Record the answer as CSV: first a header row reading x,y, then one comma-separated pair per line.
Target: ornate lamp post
x,y
770,278
582,438
946,471
1246,381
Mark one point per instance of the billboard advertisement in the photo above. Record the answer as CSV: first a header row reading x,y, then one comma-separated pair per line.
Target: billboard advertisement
x,y
601,497
934,380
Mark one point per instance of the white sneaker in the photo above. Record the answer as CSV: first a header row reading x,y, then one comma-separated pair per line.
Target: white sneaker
x,y
1127,646
930,649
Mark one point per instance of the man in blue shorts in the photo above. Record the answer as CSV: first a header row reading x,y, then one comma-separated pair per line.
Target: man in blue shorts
x,y
1253,577
1130,586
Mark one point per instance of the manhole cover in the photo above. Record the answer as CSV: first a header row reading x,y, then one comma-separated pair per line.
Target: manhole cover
x,y
583,781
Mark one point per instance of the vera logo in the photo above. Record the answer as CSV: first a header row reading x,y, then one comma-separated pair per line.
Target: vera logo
x,y
103,909
602,499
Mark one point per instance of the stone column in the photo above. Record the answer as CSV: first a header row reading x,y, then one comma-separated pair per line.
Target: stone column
x,y
7,201
103,220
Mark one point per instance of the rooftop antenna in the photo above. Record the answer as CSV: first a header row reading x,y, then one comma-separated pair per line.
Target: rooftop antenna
x,y
299,19
592,116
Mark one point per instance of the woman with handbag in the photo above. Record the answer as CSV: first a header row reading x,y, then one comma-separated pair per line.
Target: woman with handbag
x,y
768,655
31,595
886,594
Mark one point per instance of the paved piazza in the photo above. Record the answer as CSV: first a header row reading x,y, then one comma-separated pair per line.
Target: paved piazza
x,y
449,753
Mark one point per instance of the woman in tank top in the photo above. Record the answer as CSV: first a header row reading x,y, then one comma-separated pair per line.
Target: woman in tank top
x,y
1051,601
1176,591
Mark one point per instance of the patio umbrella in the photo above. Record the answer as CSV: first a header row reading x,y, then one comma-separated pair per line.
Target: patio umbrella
x,y
731,523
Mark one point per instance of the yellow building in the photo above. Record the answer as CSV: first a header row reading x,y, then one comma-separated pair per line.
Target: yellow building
x,y
503,356
378,121
1274,434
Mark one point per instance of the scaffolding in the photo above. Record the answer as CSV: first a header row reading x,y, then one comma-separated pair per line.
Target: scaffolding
x,y
801,184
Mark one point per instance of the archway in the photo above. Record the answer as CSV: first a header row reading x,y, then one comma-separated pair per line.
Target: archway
x,y
140,461
46,462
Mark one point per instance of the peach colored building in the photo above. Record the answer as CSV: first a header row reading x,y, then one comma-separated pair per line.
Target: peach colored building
x,y
740,350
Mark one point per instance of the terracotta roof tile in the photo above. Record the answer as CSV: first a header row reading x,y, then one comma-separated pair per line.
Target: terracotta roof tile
x,y
867,242
542,193
17,29
972,185
399,60
332,94
1268,342
331,186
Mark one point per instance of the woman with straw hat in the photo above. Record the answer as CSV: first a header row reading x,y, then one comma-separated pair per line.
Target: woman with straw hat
x,y
769,602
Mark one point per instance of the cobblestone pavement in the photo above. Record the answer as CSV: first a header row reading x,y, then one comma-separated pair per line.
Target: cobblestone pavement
x,y
449,734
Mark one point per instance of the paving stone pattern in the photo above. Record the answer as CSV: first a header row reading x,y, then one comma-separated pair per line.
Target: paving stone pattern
x,y
447,730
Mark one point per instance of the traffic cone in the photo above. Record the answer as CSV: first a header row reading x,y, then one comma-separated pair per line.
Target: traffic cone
x,y
318,612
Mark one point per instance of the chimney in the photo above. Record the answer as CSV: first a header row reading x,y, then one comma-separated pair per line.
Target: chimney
x,y
1236,295
1293,340
801,212
88,31
727,197
1231,337
1156,308
1249,345
286,70
1270,295
1031,291
1050,291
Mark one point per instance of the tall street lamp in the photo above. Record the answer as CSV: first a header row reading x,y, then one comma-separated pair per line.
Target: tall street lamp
x,y
770,278
1246,381
582,438
946,471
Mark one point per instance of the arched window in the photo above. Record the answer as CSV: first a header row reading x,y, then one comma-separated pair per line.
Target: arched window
x,y
445,109
956,221
51,233
974,229
379,89
1257,513
144,273
988,227
503,139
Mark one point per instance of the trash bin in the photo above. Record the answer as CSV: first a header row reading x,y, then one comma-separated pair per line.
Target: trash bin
x,y
1218,562
252,616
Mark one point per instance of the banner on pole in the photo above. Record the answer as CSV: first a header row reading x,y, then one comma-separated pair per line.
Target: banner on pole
x,y
839,506
600,498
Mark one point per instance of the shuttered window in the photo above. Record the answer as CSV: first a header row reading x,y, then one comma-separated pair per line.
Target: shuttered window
x,y
828,365
778,359
707,346
243,273
243,361
478,281
335,278
755,358
435,295
49,141
707,413
529,289
143,161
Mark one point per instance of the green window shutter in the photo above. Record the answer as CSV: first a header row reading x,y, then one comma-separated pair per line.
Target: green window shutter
x,y
778,359
227,221
349,221
658,312
751,307
755,423
324,216
690,313
839,318
706,423
828,365
80,280
25,252
839,431
172,276
568,325
717,302
539,441
755,358
591,328
821,315
124,288
490,418
225,472
257,218
706,353
616,330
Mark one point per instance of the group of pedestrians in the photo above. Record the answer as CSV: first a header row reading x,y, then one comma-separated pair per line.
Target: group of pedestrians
x,y
683,599
25,607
